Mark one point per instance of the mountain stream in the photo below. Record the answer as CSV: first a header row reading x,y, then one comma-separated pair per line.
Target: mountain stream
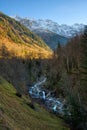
x,y
54,104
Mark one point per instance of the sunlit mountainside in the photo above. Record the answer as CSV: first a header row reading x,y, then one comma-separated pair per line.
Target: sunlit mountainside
x,y
20,41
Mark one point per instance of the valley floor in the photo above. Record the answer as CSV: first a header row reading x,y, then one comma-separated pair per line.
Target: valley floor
x,y
16,114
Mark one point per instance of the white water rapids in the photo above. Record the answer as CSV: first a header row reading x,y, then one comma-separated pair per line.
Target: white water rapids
x,y
55,104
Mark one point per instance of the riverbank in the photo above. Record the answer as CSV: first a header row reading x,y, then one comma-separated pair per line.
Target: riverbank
x,y
57,105
16,114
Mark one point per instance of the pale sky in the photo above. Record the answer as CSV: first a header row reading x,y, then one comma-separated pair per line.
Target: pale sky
x,y
60,11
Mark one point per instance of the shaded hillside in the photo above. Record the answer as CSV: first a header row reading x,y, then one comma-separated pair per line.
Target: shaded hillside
x,y
21,41
16,114
52,39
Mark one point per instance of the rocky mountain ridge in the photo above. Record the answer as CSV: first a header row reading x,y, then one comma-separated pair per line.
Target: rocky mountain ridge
x,y
49,25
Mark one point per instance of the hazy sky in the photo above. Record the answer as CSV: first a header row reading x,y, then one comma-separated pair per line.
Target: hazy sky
x,y
61,11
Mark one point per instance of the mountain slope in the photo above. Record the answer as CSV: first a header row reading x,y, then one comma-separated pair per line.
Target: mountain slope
x,y
16,114
52,39
40,24
50,31
20,40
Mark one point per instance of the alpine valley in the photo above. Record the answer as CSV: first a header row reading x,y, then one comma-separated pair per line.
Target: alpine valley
x,y
43,74
51,32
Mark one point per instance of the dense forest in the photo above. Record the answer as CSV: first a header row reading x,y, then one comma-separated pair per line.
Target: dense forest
x,y
66,74
67,77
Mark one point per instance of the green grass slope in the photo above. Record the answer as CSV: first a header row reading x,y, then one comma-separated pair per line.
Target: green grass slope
x,y
15,114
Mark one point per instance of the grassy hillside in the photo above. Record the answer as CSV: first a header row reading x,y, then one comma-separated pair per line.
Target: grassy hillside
x,y
20,41
15,114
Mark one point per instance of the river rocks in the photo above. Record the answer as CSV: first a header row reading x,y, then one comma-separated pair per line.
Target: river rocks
x,y
54,104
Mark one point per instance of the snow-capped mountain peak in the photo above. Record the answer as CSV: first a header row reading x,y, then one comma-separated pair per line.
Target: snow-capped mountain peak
x,y
44,25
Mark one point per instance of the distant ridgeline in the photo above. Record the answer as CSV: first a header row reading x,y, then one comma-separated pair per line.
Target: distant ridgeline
x,y
51,32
